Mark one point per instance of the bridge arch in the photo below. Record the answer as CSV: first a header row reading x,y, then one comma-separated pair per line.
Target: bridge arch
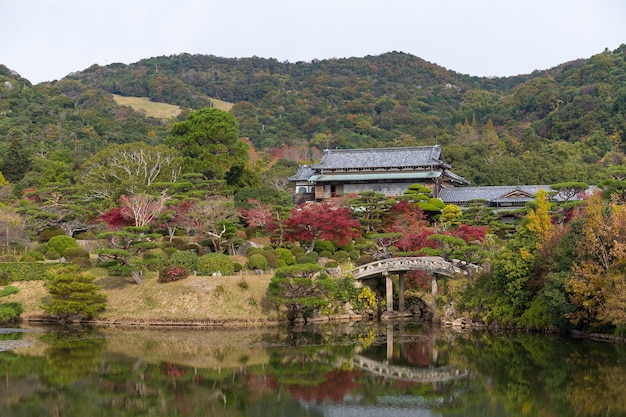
x,y
433,264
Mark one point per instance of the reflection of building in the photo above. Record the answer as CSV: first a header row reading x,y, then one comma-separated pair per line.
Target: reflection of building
x,y
386,170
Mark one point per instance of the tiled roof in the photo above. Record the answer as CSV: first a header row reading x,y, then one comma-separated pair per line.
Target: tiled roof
x,y
489,193
418,156
304,173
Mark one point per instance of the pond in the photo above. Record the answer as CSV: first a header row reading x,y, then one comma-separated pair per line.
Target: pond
x,y
340,370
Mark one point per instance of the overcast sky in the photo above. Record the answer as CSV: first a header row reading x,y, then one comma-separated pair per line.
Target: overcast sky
x,y
45,40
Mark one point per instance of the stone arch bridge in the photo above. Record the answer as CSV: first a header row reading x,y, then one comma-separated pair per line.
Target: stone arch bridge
x,y
391,266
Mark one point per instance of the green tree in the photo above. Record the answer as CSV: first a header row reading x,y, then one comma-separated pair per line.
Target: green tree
x,y
16,162
72,293
133,168
9,311
127,247
300,288
209,142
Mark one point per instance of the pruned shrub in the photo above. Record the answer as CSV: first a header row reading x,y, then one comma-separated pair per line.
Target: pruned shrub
x,y
306,259
173,273
237,267
52,255
179,244
32,256
297,250
325,254
214,263
62,242
8,258
185,258
341,256
324,245
331,264
253,249
169,250
155,259
271,258
82,263
285,255
365,259
48,233
119,270
257,261
75,252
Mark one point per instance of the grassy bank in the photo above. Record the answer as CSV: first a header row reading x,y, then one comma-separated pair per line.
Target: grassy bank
x,y
197,300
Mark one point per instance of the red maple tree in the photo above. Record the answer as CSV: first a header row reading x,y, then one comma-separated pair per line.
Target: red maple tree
x,y
310,222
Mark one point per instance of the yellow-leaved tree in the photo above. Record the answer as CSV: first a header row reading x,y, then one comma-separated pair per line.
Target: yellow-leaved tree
x,y
598,283
539,220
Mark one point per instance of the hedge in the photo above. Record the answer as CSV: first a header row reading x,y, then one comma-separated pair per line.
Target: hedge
x,y
26,271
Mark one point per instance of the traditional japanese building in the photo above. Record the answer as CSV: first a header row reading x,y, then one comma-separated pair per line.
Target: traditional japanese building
x,y
386,170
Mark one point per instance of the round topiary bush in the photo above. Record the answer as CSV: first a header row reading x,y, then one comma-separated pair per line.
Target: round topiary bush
x,y
73,253
173,273
285,255
257,261
61,242
341,256
214,263
237,267
324,245
185,258
51,255
272,261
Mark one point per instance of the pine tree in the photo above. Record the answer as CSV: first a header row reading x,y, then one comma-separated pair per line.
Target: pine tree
x,y
16,162
73,292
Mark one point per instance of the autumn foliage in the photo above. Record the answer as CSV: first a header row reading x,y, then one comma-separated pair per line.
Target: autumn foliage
x,y
310,222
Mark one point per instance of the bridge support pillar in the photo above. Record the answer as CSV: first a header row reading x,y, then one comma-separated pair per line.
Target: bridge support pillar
x,y
401,292
389,290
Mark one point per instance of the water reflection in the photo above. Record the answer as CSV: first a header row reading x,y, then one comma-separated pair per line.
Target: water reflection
x,y
331,371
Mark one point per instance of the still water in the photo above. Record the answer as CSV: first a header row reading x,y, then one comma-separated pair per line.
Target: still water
x,y
371,370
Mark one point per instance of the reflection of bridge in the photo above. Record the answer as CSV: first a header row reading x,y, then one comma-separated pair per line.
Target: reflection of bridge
x,y
405,373
433,264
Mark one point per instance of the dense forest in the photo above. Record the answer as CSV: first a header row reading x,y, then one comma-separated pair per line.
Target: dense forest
x,y
175,195
562,124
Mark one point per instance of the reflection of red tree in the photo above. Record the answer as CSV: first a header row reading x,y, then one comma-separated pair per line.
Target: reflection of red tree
x,y
260,385
337,385
419,353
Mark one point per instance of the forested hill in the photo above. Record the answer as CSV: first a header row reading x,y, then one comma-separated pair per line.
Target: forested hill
x,y
564,123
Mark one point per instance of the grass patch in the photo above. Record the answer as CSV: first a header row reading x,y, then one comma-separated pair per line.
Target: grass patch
x,y
162,111
194,299
152,109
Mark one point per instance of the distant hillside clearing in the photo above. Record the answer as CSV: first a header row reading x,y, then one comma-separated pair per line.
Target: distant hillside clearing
x,y
152,109
161,110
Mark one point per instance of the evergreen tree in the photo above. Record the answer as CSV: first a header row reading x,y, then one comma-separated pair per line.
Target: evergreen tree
x,y
16,161
9,311
73,292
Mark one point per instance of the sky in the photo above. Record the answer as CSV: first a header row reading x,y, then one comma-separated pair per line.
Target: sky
x,y
44,40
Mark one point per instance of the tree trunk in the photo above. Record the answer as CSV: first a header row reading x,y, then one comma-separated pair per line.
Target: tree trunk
x,y
136,276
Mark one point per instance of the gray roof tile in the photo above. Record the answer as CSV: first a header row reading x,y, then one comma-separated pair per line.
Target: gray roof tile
x,y
418,156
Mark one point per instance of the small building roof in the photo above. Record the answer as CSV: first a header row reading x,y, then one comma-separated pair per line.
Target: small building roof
x,y
303,174
418,156
495,195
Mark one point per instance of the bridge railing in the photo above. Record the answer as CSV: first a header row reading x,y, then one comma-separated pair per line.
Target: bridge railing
x,y
433,264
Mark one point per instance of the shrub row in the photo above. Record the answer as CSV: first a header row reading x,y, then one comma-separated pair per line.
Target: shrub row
x,y
24,271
